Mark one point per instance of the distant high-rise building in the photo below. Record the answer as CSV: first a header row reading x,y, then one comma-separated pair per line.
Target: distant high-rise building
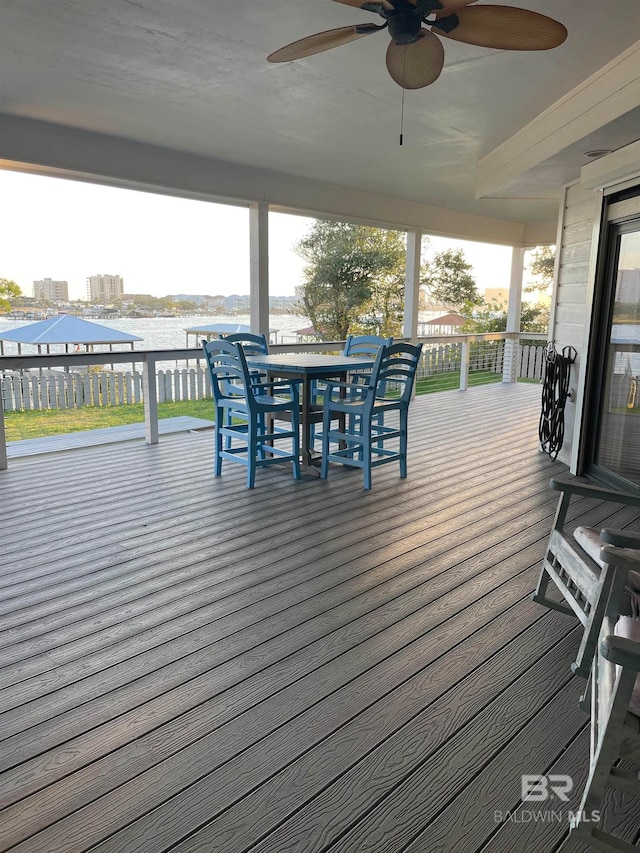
x,y
105,288
48,290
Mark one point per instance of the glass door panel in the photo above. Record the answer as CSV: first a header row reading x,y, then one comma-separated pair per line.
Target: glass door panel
x,y
617,447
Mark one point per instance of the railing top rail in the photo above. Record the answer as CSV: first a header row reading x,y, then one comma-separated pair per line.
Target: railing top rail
x,y
533,336
26,362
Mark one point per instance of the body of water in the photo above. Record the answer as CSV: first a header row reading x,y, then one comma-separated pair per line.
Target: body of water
x,y
168,332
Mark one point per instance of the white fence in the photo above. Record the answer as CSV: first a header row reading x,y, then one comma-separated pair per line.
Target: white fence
x,y
57,390
54,389
483,356
531,362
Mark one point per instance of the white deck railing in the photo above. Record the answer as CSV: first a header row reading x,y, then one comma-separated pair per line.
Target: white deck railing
x,y
130,387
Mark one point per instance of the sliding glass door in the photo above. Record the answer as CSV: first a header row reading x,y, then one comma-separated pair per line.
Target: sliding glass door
x,y
616,441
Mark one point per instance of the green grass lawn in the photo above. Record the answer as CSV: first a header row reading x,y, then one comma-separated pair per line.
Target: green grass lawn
x,y
451,381
35,424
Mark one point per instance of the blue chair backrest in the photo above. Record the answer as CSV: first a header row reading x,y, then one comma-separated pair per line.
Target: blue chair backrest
x,y
250,343
227,367
395,369
365,345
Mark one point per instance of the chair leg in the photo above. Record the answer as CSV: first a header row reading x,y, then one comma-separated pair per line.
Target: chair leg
x,y
262,424
366,457
295,447
403,414
324,465
217,470
252,452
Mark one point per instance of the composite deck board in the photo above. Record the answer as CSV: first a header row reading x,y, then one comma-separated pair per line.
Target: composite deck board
x,y
56,594
257,611
189,665
148,597
184,528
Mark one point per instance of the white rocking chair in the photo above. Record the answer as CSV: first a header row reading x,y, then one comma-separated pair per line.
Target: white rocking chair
x,y
576,566
615,714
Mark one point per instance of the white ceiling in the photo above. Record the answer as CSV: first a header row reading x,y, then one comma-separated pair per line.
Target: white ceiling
x,y
192,75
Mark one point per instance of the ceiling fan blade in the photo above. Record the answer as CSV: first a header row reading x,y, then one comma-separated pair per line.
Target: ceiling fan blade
x,y
448,6
367,4
321,41
415,65
504,28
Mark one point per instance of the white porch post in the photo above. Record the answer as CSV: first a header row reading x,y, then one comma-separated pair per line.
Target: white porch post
x,y
259,267
3,438
150,400
512,347
412,285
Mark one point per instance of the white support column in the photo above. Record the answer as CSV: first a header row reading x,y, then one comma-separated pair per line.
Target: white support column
x,y
259,267
465,356
512,347
412,285
3,438
150,399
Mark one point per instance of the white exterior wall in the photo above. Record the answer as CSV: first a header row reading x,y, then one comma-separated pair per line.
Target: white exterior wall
x,y
573,292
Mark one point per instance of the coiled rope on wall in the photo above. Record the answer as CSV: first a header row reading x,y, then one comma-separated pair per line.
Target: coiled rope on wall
x,y
555,393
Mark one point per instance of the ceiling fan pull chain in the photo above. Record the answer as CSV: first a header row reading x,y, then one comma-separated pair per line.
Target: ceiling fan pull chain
x,y
402,118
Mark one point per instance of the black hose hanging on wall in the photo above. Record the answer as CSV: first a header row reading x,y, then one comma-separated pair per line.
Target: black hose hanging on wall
x,y
555,392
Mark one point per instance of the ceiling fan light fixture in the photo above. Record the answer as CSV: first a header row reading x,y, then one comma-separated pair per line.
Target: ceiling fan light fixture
x,y
598,152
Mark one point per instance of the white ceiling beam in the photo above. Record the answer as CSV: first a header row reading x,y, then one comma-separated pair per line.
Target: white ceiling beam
x,y
69,152
608,94
618,166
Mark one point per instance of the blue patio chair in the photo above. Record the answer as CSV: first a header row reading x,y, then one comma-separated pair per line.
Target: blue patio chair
x,y
257,403
356,346
251,344
362,438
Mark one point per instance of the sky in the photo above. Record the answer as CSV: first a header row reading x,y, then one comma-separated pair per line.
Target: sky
x,y
160,245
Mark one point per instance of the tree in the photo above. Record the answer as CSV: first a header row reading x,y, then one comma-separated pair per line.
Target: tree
x,y
383,312
491,317
8,290
353,279
447,280
542,266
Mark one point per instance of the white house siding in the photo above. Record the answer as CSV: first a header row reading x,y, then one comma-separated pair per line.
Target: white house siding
x,y
574,291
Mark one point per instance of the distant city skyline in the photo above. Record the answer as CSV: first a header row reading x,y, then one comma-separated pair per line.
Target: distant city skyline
x,y
160,245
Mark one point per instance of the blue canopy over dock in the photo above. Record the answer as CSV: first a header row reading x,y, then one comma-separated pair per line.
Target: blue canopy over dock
x,y
215,330
67,330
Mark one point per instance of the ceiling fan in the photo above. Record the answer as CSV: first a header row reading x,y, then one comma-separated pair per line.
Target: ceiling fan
x,y
415,55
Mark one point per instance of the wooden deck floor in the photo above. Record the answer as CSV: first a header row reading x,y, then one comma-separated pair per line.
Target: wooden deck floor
x,y
190,666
